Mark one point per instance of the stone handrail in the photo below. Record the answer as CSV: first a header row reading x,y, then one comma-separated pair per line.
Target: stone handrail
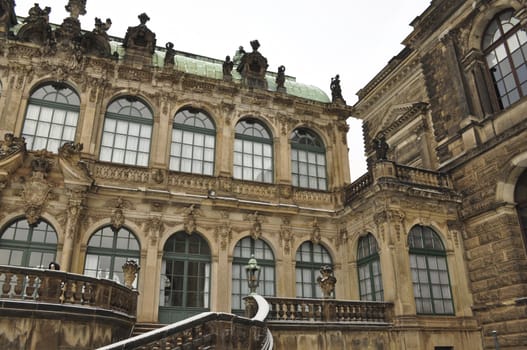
x,y
58,287
328,310
422,176
207,330
359,185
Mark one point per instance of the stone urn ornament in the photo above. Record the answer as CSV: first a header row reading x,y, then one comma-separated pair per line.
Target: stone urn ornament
x,y
130,269
326,281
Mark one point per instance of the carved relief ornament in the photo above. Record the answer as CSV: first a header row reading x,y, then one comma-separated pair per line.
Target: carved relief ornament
x,y
37,188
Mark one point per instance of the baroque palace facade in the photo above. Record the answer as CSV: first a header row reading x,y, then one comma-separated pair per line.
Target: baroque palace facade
x,y
117,150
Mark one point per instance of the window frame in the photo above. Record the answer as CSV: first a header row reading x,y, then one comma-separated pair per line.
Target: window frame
x,y
113,252
29,246
491,50
368,262
310,149
43,104
239,261
194,130
429,253
107,152
253,140
312,268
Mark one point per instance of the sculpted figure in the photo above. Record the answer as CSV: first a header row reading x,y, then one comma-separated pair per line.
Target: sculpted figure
x,y
280,78
170,54
336,91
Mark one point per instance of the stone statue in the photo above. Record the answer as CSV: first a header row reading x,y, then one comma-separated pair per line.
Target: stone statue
x,y
238,56
130,270
336,91
326,281
228,65
140,42
169,55
36,28
280,79
381,147
7,15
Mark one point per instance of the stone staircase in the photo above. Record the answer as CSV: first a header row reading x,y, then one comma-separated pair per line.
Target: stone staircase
x,y
143,327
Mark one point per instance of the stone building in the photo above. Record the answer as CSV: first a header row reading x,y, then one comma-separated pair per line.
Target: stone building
x,y
123,155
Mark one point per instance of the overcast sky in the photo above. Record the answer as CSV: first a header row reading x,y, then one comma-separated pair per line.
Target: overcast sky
x,y
313,39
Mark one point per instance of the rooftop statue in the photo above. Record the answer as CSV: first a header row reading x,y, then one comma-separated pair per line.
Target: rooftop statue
x,y
228,65
7,15
140,37
381,147
170,53
336,91
97,42
36,28
238,56
280,79
253,67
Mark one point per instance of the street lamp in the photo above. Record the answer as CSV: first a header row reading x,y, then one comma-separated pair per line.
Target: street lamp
x,y
252,271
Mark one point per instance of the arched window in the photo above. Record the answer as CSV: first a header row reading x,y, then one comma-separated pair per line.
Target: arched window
x,y
429,272
520,197
193,142
107,252
185,277
51,117
309,258
127,132
244,249
308,160
505,48
253,152
22,244
369,267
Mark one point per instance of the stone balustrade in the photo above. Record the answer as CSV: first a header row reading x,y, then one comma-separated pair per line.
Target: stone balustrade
x,y
422,177
58,287
328,310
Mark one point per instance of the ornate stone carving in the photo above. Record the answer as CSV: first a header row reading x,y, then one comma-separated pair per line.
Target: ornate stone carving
x,y
252,67
224,230
189,222
316,237
342,235
37,188
326,281
7,15
117,218
73,170
36,28
130,269
140,42
153,227
381,147
75,211
11,145
286,235
67,36
97,42
256,224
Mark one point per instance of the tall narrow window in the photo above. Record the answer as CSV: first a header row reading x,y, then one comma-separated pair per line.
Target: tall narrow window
x,y
309,258
429,272
107,252
505,48
253,152
51,117
185,277
244,249
193,141
369,266
308,160
22,244
127,132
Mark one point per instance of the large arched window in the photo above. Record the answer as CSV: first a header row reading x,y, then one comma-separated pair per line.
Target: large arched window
x,y
127,132
505,48
193,142
309,258
369,267
308,160
244,249
51,117
22,244
107,252
185,277
253,152
429,268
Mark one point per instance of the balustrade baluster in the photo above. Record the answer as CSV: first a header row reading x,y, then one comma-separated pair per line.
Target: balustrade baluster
x,y
12,283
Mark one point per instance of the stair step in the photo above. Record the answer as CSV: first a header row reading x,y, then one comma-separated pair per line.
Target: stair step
x,y
143,327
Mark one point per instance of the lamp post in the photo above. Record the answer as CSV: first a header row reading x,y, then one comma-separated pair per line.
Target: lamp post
x,y
252,271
